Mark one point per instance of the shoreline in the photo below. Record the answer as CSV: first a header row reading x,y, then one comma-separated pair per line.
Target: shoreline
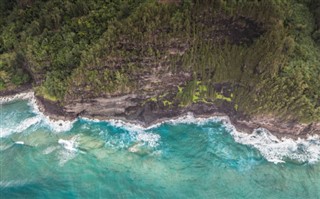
x,y
273,147
277,128
20,89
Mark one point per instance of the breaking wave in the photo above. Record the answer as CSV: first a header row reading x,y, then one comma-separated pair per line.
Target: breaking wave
x,y
272,148
70,150
54,125
24,125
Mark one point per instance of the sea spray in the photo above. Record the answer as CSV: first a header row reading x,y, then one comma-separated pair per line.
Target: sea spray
x,y
273,149
279,150
70,149
137,134
183,157
55,125
24,125
21,96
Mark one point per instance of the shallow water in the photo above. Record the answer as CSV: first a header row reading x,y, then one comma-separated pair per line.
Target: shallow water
x,y
186,158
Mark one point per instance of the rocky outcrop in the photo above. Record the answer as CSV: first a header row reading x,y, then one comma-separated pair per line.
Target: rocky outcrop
x,y
17,90
278,127
130,108
135,108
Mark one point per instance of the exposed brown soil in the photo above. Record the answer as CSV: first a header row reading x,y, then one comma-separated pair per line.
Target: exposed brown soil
x,y
16,90
235,30
154,79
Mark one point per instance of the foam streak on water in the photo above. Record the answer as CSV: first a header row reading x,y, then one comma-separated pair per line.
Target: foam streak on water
x,y
186,157
20,127
55,125
272,148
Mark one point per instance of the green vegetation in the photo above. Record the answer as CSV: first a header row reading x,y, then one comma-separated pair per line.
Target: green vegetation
x,y
45,94
195,92
12,73
263,57
167,103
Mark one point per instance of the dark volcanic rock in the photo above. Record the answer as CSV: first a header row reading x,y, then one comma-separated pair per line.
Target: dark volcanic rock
x,y
54,110
20,89
129,108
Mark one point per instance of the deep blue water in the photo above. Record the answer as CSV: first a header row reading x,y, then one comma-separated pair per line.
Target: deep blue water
x,y
177,159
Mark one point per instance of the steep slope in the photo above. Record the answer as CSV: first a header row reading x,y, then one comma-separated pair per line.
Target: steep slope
x,y
145,60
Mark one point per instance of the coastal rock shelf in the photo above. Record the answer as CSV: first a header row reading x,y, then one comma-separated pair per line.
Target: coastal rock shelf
x,y
275,147
110,159
160,99
129,108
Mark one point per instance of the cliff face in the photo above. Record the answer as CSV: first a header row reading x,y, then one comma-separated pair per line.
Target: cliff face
x,y
147,60
129,108
136,109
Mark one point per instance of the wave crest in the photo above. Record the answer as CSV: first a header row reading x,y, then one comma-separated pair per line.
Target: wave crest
x,y
273,149
24,125
279,150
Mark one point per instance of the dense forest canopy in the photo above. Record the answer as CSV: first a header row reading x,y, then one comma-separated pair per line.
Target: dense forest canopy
x,y
263,56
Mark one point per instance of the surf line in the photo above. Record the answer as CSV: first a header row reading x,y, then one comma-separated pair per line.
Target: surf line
x,y
271,148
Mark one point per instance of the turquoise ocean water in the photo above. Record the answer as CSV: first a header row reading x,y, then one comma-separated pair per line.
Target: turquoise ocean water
x,y
185,158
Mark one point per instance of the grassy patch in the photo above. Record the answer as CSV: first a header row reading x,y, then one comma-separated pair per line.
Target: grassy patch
x,y
167,103
42,91
222,97
268,50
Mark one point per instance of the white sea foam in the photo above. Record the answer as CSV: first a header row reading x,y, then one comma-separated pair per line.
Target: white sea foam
x,y
273,149
65,156
20,96
279,150
49,150
184,119
150,139
24,125
70,145
59,125
137,133
54,125
70,151
119,124
190,119
19,142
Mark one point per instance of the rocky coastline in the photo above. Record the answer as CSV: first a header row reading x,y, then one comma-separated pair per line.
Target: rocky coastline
x,y
128,108
150,113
